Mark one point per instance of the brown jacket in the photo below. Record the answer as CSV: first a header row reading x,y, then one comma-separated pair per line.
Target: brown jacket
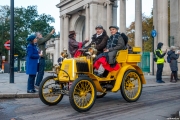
x,y
100,41
73,46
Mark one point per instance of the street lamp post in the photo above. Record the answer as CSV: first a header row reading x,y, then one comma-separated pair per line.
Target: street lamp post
x,y
12,43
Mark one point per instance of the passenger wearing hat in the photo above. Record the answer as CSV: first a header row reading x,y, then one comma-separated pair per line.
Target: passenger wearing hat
x,y
114,44
73,45
99,38
32,62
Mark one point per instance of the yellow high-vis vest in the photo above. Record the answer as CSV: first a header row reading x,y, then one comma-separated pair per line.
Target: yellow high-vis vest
x,y
160,60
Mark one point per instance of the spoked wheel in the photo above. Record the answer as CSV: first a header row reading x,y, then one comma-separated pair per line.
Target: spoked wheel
x,y
100,95
82,94
48,91
131,86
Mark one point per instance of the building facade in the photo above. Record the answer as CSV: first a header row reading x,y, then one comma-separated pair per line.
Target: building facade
x,y
53,49
84,15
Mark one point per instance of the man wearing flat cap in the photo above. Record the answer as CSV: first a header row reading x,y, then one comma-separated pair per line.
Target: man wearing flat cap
x,y
73,45
99,38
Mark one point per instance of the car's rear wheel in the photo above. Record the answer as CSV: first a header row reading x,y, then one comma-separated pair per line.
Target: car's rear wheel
x,y
131,86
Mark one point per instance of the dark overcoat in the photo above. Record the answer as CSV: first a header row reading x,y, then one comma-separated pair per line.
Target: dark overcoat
x,y
32,59
174,63
100,41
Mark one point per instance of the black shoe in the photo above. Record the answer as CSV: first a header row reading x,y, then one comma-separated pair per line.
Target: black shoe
x,y
31,91
97,74
35,90
160,81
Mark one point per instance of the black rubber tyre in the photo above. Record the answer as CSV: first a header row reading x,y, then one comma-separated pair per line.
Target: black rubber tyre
x,y
131,81
49,93
100,95
82,94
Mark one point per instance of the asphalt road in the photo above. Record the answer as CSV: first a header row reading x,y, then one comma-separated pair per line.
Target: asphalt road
x,y
155,103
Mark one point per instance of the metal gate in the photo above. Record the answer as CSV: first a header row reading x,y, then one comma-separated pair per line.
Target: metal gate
x,y
145,62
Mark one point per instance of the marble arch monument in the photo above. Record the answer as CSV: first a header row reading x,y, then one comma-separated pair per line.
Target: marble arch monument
x,y
83,15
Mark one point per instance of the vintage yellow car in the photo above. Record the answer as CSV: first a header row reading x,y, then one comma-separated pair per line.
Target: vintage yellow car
x,y
76,79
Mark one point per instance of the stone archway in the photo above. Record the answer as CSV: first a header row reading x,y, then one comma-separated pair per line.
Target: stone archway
x,y
80,28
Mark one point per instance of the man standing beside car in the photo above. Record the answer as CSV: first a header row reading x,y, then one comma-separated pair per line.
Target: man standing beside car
x,y
42,48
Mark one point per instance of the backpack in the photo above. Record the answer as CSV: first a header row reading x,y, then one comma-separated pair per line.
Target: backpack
x,y
168,59
154,57
125,38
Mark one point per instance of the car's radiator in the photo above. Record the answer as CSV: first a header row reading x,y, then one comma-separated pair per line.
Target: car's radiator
x,y
82,66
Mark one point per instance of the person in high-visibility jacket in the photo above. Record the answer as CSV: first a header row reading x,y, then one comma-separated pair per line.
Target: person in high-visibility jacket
x,y
160,62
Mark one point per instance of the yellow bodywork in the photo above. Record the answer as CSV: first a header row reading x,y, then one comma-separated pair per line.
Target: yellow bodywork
x,y
70,71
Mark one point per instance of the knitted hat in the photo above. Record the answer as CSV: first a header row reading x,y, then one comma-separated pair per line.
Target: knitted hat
x,y
113,26
31,38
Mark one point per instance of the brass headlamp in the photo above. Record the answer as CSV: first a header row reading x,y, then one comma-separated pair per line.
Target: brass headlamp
x,y
65,53
92,50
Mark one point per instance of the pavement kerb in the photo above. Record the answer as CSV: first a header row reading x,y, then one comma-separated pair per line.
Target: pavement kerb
x,y
36,95
18,95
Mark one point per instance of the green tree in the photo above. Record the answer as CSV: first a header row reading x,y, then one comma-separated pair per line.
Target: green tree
x,y
27,21
147,24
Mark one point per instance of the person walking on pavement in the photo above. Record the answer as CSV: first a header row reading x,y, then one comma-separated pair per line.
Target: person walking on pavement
x,y
160,62
42,47
31,62
173,63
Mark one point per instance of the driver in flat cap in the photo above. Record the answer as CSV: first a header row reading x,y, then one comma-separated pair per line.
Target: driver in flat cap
x,y
99,38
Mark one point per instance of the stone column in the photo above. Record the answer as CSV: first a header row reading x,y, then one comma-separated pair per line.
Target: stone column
x,y
114,22
57,52
155,22
178,33
101,16
104,20
122,16
61,43
162,32
109,15
163,22
66,31
93,18
174,22
138,23
86,7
